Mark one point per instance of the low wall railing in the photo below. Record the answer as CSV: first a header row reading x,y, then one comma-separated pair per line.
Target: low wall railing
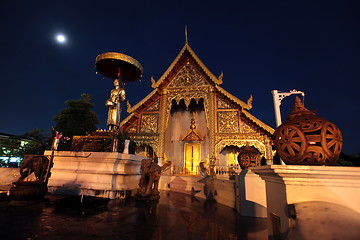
x,y
223,172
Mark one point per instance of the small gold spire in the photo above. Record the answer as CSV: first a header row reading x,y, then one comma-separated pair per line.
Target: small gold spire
x,y
192,126
186,35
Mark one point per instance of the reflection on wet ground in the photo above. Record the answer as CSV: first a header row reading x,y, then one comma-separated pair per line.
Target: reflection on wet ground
x,y
176,216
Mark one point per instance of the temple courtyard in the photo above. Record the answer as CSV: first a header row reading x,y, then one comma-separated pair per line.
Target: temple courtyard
x,y
176,216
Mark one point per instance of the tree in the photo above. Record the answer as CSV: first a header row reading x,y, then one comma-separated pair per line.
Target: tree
x,y
77,118
39,141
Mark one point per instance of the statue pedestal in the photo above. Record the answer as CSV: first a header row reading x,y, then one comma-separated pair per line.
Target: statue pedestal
x,y
100,174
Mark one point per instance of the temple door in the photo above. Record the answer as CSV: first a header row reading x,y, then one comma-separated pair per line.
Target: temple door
x,y
192,157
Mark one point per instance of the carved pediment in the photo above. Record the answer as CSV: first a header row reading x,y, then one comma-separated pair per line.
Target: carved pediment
x,y
192,136
188,76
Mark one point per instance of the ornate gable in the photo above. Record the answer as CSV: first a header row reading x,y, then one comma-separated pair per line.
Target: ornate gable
x,y
186,51
188,76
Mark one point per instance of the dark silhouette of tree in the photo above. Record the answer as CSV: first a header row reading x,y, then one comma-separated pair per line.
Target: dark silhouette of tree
x,y
348,160
39,141
77,118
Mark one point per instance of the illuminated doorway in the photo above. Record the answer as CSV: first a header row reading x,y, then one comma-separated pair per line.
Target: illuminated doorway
x,y
192,156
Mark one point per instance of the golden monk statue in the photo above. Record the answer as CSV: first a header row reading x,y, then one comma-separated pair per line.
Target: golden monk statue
x,y
117,96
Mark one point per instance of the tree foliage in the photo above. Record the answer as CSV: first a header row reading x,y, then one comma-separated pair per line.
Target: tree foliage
x,y
77,118
348,160
39,141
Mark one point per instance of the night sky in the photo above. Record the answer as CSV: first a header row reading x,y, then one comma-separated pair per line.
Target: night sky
x,y
312,46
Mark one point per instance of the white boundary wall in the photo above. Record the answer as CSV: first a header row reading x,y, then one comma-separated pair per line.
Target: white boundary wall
x,y
103,174
296,184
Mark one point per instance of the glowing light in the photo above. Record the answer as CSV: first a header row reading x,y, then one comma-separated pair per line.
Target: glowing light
x,y
60,38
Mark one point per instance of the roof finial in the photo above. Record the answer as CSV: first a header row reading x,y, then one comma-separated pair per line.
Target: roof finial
x,y
186,35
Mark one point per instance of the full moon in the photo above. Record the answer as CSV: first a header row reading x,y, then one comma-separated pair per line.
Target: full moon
x,y
60,38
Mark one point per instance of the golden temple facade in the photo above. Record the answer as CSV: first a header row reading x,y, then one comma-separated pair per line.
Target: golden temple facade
x,y
188,118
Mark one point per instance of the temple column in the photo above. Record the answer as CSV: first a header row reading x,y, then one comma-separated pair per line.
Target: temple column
x,y
164,105
212,123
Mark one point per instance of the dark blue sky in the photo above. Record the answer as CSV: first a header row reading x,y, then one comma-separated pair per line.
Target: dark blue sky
x,y
312,46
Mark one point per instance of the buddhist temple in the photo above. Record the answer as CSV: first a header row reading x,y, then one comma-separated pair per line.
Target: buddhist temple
x,y
189,118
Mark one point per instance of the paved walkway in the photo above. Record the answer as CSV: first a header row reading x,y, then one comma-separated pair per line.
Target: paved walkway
x,y
176,216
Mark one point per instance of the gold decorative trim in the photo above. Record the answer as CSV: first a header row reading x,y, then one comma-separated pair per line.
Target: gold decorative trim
x,y
245,128
149,123
223,104
149,140
228,122
155,106
188,76
132,109
233,98
192,135
240,143
187,95
259,123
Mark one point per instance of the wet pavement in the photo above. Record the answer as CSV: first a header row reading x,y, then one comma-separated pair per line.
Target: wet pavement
x,y
175,216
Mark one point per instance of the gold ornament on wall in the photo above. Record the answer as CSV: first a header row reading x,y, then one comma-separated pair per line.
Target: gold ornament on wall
x,y
222,104
188,76
149,123
228,122
155,106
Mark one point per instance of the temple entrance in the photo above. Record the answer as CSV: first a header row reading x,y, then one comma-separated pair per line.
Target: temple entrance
x,y
192,157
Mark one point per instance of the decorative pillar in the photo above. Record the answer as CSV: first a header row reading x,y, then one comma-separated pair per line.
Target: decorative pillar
x,y
164,105
212,124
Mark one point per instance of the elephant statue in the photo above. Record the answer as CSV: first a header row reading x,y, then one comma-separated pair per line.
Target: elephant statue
x,y
150,173
34,164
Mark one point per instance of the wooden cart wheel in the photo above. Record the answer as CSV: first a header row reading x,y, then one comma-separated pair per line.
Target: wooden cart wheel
x,y
290,142
331,139
245,163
